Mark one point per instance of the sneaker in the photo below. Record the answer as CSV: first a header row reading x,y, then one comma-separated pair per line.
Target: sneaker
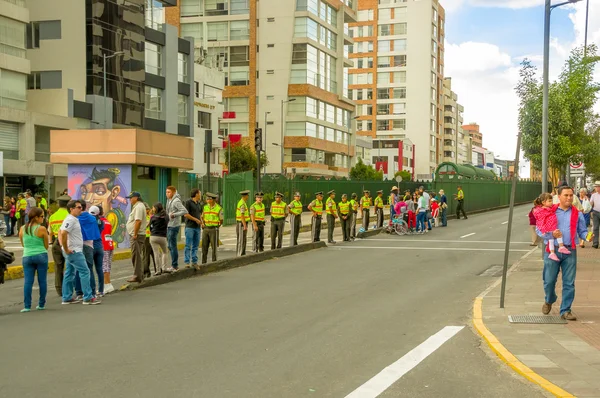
x,y
40,308
72,301
170,270
546,308
187,265
108,288
93,301
79,298
567,316
553,257
564,250
196,266
99,294
26,310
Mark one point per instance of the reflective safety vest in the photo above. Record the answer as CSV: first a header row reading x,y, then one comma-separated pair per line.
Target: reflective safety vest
x,y
278,210
330,206
318,207
211,215
22,204
296,207
259,211
238,212
354,205
379,202
56,220
44,204
344,207
147,225
461,195
365,202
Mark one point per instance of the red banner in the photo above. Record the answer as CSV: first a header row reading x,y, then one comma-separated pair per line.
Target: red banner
x,y
228,115
382,166
233,138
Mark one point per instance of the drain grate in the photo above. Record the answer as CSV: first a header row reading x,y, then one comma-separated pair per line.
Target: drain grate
x,y
539,319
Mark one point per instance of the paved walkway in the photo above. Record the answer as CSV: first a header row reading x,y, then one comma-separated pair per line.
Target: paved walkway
x,y
568,355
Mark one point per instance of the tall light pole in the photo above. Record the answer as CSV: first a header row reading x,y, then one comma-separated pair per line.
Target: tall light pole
x,y
548,11
587,16
104,58
265,143
282,130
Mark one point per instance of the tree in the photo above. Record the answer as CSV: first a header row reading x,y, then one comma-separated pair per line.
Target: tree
x,y
572,123
406,176
362,172
243,158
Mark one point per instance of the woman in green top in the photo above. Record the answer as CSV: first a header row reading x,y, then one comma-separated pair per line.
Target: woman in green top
x,y
34,239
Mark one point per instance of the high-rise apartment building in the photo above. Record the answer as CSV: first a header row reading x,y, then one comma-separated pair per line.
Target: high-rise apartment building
x,y
397,79
286,72
472,129
456,146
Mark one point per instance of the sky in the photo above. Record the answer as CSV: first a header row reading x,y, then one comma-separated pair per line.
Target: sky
x,y
486,40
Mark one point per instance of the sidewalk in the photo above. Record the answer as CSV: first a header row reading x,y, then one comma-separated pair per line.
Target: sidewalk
x,y
563,358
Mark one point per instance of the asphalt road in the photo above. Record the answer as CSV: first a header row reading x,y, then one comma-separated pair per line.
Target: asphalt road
x,y
318,324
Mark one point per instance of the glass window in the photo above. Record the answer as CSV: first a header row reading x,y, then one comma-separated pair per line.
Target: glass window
x,y
433,63
400,28
182,67
311,107
434,46
215,7
365,15
237,105
13,89
330,109
239,30
399,124
33,33
311,130
383,109
12,37
383,46
385,13
155,14
192,30
153,103
191,8
217,31
384,62
383,78
153,53
400,60
42,143
239,7
339,118
400,77
385,30
329,134
204,120
400,109
383,93
382,125
400,45
240,56
400,12
182,109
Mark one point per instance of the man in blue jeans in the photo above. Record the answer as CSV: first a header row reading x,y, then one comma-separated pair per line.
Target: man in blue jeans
x,y
571,227
71,241
192,228
92,249
175,210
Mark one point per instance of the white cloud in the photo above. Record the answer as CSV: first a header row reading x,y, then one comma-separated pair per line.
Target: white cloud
x,y
453,5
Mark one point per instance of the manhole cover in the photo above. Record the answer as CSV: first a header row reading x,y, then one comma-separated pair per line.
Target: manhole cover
x,y
540,319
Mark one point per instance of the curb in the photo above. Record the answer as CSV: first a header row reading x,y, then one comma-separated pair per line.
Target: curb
x,y
222,265
371,232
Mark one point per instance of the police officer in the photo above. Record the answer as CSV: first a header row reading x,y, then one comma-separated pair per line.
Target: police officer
x,y
257,216
460,197
55,221
211,219
279,212
345,215
242,216
365,206
331,210
378,204
354,215
295,219
316,206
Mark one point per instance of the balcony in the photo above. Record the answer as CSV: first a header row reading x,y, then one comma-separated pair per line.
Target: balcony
x,y
350,11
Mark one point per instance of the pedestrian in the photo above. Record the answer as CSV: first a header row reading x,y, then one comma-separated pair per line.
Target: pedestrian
x,y
392,200
345,215
365,206
295,219
148,252
421,213
30,204
257,216
136,225
55,222
175,210
108,247
13,218
586,208
354,215
443,208
71,241
158,238
93,250
595,202
331,210
42,204
425,194
21,208
460,197
378,206
571,228
212,219
6,210
34,239
279,211
545,218
435,212
242,217
532,223
411,206
316,207
192,228
555,200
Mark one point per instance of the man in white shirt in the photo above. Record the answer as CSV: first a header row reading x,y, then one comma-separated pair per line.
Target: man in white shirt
x,y
71,241
427,197
595,202
136,229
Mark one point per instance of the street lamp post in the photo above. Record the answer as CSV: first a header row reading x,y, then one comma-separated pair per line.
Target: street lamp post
x,y
104,58
548,11
282,130
265,166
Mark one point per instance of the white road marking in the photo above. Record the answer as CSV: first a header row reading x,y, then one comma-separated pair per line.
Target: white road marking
x,y
467,235
449,241
388,376
431,248
505,222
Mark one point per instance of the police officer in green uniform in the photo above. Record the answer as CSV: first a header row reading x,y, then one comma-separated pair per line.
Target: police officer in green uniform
x,y
345,215
365,207
354,215
331,210
316,206
295,219
257,216
460,197
279,212
242,217
55,221
211,219
378,205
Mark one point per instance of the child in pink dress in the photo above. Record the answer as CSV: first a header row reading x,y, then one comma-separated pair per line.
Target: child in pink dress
x,y
545,218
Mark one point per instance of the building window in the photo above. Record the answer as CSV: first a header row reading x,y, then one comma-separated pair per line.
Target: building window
x,y
12,37
204,120
153,54
193,30
240,78
155,14
240,56
182,109
399,124
153,103
146,172
238,105
9,137
383,93
13,89
34,81
365,15
33,35
239,7
270,97
42,144
182,68
213,93
239,30
197,89
217,31
191,8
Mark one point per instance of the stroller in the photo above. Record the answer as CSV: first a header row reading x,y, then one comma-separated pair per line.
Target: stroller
x,y
2,229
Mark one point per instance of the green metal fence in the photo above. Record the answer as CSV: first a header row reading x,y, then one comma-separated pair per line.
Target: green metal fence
x,y
230,194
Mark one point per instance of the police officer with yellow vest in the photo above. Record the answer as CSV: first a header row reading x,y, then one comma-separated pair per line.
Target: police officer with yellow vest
x,y
345,215
354,215
279,212
365,206
378,204
242,216
55,221
257,215
316,206
331,210
295,219
211,219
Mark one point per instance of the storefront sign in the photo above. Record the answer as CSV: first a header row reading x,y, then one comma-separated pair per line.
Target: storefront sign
x,y
207,106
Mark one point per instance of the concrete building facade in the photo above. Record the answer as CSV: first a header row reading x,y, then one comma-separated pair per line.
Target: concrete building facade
x,y
455,145
397,79
472,129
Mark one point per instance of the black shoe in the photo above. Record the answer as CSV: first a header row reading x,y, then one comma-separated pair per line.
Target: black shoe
x,y
595,247
332,241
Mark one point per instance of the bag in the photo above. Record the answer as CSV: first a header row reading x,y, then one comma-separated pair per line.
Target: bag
x,y
6,257
444,206
18,215
587,206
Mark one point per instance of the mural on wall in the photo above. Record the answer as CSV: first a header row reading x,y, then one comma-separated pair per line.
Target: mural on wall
x,y
106,186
